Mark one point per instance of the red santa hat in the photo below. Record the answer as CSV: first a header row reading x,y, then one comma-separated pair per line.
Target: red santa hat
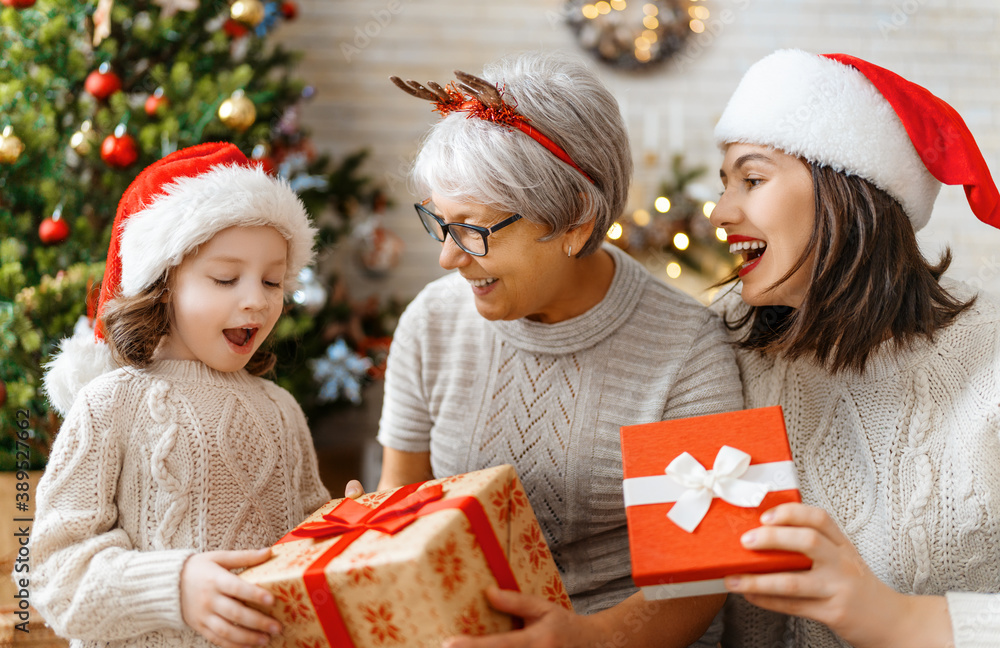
x,y
861,119
172,207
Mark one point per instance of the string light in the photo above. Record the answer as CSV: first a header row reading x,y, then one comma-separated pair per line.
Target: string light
x,y
720,234
708,208
615,231
641,217
673,270
681,241
662,204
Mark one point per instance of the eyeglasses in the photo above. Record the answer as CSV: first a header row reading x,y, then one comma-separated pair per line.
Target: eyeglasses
x,y
470,238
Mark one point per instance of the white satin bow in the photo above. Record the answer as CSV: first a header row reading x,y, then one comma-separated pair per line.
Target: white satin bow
x,y
701,486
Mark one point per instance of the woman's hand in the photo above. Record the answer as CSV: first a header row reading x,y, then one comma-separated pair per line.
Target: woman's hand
x,y
840,590
213,599
545,624
354,489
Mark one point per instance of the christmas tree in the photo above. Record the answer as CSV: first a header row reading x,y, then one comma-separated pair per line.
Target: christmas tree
x,y
91,93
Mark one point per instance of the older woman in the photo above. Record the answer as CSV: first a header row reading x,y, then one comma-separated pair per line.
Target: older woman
x,y
543,342
888,374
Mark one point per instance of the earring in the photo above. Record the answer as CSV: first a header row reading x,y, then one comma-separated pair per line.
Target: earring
x,y
570,253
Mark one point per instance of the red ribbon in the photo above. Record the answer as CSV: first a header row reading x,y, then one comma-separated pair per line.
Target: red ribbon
x,y
351,520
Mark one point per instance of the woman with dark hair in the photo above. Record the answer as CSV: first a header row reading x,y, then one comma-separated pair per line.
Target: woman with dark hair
x,y
544,340
889,374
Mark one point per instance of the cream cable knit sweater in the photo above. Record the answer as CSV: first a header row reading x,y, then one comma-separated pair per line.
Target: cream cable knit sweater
x,y
550,399
906,458
151,466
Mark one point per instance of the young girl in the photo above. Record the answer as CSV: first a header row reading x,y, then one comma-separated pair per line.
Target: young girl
x,y
182,463
888,374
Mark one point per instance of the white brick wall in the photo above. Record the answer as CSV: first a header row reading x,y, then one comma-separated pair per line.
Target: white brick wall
x,y
949,46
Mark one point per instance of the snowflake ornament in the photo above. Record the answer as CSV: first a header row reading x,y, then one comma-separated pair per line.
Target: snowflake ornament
x,y
340,373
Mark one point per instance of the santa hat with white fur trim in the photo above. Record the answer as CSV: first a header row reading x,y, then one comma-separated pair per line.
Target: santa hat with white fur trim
x,y
172,207
861,119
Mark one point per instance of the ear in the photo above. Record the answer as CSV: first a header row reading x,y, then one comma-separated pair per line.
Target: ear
x,y
577,237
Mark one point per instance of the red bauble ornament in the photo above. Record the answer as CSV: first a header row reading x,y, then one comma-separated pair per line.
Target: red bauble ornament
x,y
53,231
18,4
102,82
3,389
289,10
154,102
119,150
234,28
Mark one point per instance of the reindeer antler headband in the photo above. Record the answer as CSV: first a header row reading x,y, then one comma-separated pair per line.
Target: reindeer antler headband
x,y
482,100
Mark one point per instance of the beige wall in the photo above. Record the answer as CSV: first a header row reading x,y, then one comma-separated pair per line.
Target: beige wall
x,y
352,46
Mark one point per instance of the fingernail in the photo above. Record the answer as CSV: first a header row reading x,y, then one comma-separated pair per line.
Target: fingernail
x,y
732,582
268,599
353,490
749,538
275,629
767,517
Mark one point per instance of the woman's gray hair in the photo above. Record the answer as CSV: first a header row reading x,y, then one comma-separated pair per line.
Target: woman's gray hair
x,y
476,161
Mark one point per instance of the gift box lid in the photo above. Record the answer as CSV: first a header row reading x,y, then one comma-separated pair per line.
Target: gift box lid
x,y
663,552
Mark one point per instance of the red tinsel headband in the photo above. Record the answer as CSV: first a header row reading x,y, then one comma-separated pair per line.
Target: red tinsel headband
x,y
482,100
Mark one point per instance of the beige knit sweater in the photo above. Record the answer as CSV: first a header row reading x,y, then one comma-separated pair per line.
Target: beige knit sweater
x,y
906,458
151,466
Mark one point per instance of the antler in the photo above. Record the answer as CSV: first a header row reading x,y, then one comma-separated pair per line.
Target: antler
x,y
435,93
481,89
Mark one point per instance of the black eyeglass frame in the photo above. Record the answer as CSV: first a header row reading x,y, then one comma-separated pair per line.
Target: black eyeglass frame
x,y
482,231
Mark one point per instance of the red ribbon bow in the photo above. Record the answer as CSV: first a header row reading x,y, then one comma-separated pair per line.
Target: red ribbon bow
x,y
351,516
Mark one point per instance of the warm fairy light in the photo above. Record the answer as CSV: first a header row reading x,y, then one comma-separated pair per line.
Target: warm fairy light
x,y
615,231
699,12
681,241
662,204
650,9
697,26
643,55
720,234
618,5
650,22
708,208
673,269
649,35
590,11
603,7
641,44
641,217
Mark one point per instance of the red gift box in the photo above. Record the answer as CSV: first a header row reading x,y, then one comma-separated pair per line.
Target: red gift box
x,y
692,487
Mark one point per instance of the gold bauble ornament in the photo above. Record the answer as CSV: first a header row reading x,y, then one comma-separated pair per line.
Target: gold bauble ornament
x,y
248,12
83,140
238,112
11,146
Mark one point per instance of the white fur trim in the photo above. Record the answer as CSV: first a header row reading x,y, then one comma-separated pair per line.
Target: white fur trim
x,y
190,211
827,112
79,360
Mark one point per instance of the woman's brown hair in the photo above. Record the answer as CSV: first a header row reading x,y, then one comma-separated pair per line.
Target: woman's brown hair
x,y
869,282
134,326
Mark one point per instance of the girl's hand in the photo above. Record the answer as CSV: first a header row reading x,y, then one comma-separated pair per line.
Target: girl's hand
x,y
545,624
213,599
840,590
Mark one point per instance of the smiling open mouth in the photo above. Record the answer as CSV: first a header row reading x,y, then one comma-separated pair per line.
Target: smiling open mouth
x,y
241,337
751,251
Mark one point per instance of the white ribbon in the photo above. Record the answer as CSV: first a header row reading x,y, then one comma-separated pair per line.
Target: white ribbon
x,y
692,487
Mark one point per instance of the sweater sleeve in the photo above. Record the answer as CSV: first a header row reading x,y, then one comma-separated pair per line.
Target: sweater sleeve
x,y
311,490
87,580
709,380
975,619
406,418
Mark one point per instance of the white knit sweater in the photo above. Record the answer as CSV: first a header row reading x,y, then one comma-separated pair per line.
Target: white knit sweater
x,y
550,400
906,458
150,466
